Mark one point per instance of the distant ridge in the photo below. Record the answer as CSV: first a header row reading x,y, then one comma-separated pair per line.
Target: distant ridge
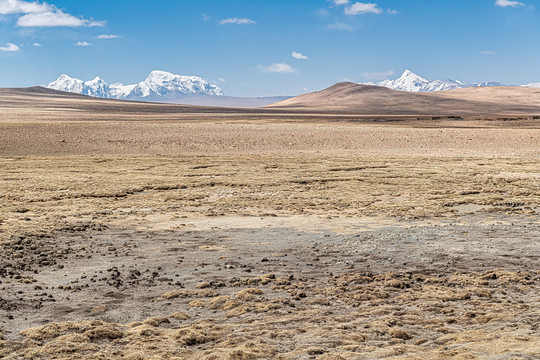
x,y
376,100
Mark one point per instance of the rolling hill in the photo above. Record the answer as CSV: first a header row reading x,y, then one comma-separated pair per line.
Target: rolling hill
x,y
375,100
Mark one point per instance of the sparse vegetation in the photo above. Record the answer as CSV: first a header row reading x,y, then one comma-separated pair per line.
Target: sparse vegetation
x,y
154,233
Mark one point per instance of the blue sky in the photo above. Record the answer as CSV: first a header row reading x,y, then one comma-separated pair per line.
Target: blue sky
x,y
246,46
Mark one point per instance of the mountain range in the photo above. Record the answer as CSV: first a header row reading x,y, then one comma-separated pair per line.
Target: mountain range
x,y
158,86
162,86
412,82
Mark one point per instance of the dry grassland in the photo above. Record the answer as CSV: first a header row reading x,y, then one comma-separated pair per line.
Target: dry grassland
x,y
352,313
174,232
39,195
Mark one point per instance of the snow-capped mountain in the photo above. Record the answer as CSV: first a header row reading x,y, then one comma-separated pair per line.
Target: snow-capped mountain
x,y
66,83
158,86
534,85
97,87
409,81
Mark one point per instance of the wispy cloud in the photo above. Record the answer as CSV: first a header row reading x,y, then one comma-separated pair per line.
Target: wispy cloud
x,y
55,19
280,68
82,43
507,3
378,75
108,36
37,45
339,26
238,21
487,52
205,17
36,14
10,48
359,8
299,56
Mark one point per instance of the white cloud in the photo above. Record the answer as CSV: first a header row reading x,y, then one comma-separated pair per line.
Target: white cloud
x,y
299,56
341,2
359,8
36,14
10,48
378,75
242,21
108,36
37,44
222,80
339,26
55,19
82,43
485,52
23,7
506,3
280,68
205,17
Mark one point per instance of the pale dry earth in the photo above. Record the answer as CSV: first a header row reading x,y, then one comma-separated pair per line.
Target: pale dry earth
x,y
254,138
209,235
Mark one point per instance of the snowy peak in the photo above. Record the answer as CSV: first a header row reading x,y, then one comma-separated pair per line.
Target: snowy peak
x,y
408,81
160,77
159,85
97,87
409,77
66,83
164,84
412,82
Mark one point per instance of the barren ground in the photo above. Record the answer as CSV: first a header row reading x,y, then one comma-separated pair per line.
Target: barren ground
x,y
309,239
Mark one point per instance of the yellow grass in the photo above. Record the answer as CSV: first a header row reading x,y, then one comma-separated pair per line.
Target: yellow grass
x,y
38,195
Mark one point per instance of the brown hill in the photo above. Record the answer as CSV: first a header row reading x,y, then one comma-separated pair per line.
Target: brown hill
x,y
375,100
39,99
343,99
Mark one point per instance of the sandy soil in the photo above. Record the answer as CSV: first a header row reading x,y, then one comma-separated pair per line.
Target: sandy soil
x,y
308,237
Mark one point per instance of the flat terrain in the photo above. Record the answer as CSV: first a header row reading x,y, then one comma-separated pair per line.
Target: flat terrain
x,y
194,233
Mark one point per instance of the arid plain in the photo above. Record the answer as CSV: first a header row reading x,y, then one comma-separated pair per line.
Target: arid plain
x,y
405,228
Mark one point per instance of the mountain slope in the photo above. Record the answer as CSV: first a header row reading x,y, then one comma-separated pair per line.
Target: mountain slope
x,y
375,100
158,86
